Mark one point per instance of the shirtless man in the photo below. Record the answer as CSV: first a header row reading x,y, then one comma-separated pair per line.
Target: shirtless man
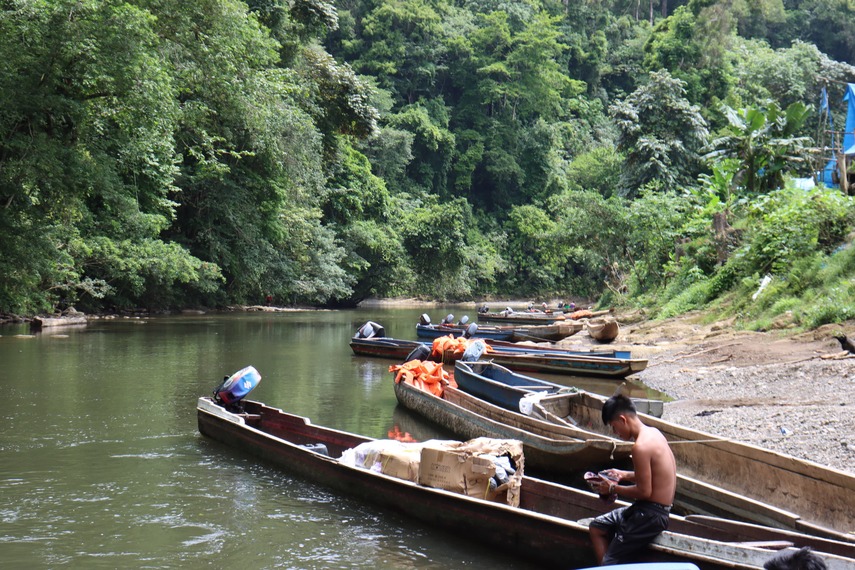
x,y
619,534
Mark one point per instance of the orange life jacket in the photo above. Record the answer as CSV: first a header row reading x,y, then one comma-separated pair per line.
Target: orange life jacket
x,y
424,375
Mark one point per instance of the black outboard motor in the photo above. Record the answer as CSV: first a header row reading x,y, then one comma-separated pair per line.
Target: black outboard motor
x,y
448,320
424,319
370,330
421,352
471,330
464,320
483,309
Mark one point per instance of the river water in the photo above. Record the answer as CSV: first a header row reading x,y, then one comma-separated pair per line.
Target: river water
x,y
102,465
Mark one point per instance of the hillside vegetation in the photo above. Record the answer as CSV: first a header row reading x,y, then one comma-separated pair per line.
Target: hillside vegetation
x,y
162,154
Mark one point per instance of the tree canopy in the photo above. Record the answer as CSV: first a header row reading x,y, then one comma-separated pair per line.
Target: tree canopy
x,y
159,155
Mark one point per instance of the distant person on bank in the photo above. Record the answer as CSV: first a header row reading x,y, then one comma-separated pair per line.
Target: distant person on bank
x,y
619,535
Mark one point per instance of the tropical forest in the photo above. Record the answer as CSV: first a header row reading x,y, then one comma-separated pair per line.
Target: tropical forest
x,y
160,155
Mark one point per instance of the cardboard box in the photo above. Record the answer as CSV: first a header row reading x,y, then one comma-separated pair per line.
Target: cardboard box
x,y
457,471
402,463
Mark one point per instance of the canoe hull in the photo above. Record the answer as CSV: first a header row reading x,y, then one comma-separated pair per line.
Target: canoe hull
x,y
543,528
468,417
812,497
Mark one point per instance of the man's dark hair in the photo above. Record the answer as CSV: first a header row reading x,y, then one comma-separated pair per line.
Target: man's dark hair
x,y
803,559
617,404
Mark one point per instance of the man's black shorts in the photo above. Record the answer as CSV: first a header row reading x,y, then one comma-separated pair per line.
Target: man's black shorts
x,y
631,528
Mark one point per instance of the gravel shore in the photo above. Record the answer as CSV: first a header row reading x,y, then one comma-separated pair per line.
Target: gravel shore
x,y
784,392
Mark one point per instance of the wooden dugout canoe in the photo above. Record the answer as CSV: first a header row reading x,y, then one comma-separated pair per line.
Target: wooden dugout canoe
x,y
489,380
469,417
809,497
603,329
522,317
698,489
388,347
545,527
608,364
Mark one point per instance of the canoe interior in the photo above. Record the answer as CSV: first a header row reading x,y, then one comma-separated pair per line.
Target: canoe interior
x,y
819,497
544,527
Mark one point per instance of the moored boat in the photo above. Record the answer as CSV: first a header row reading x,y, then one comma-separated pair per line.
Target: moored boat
x,y
695,495
469,417
522,317
809,497
499,385
472,331
548,526
75,320
603,329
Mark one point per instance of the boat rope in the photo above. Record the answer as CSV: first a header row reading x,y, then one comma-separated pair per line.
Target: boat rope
x,y
747,439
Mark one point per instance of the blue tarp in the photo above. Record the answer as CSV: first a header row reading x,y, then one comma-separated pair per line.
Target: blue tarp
x,y
848,135
849,132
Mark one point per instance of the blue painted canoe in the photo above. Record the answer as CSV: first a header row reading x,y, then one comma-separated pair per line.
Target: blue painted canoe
x,y
503,387
436,331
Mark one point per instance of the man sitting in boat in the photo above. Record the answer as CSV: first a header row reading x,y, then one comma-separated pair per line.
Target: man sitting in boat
x,y
619,534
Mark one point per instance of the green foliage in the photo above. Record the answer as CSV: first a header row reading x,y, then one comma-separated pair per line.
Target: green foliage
x,y
170,154
433,235
661,134
789,224
765,142
598,169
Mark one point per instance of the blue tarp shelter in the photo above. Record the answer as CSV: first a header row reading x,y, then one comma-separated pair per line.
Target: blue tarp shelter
x,y
828,175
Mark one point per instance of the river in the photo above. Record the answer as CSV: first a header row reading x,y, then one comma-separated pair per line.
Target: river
x,y
102,466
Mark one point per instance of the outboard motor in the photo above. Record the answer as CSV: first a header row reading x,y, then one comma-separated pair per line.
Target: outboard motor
x,y
474,351
471,330
235,387
464,320
421,352
483,309
370,330
448,320
424,319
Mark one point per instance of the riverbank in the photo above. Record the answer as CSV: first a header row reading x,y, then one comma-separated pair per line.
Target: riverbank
x,y
778,390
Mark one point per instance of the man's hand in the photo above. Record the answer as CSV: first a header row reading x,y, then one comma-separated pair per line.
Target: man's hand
x,y
605,487
616,474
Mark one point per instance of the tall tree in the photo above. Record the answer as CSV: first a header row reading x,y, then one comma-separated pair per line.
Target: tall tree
x,y
661,135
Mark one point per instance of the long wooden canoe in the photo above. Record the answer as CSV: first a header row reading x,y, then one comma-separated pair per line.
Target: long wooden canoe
x,y
699,489
469,417
388,347
497,384
522,317
582,363
537,333
40,323
603,329
811,497
607,368
548,526
438,330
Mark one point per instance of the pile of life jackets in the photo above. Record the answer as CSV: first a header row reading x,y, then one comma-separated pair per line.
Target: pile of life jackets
x,y
424,375
454,346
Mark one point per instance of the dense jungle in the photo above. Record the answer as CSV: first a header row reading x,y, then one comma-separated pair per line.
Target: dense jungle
x,y
159,155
